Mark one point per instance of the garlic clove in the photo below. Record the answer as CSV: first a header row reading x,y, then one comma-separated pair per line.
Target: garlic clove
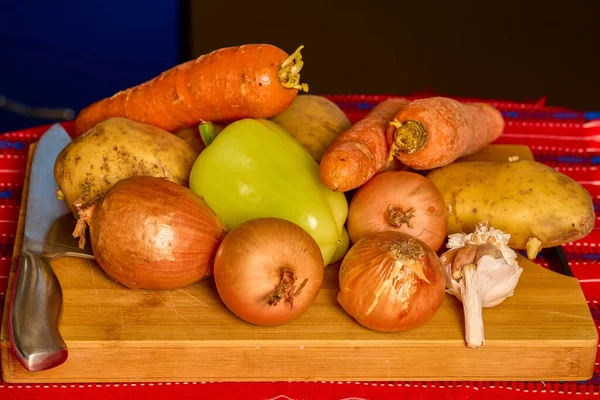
x,y
471,290
485,234
465,255
500,280
448,256
452,286
488,249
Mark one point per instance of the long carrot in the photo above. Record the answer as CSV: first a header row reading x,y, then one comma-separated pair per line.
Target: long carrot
x,y
254,81
433,132
359,153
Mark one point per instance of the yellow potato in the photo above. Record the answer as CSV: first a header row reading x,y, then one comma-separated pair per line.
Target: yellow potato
x,y
537,205
314,121
500,152
192,136
117,149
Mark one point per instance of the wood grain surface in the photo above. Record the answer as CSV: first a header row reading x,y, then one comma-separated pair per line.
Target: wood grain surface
x,y
544,332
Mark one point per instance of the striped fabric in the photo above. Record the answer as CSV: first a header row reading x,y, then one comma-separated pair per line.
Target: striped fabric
x,y
565,139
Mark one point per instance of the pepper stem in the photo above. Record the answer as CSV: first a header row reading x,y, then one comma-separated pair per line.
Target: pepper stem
x,y
409,137
289,72
208,133
472,306
285,289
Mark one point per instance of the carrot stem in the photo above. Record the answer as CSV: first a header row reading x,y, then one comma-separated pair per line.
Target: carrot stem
x,y
208,133
409,137
289,72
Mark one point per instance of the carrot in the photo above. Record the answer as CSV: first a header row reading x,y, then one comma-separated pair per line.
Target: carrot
x,y
250,81
433,132
360,152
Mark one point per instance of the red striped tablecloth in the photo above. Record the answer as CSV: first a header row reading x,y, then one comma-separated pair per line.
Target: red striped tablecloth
x,y
567,140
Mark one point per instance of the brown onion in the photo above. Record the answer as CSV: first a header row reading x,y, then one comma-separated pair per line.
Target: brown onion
x,y
150,233
391,282
268,271
400,201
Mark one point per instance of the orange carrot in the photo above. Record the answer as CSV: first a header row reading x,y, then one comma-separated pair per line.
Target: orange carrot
x,y
250,81
433,132
359,153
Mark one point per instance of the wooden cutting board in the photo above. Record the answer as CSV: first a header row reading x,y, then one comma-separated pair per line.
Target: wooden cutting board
x,y
544,332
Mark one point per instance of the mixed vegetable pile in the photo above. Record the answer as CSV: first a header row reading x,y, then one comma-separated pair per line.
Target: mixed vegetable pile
x,y
221,168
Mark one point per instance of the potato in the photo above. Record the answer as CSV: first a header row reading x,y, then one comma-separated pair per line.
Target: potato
x,y
314,121
192,136
500,152
537,205
117,149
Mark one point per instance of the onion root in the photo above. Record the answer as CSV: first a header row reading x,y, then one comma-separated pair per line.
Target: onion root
x,y
84,218
396,217
285,289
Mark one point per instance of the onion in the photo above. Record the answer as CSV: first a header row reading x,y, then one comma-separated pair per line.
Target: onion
x,y
391,282
150,233
399,201
268,271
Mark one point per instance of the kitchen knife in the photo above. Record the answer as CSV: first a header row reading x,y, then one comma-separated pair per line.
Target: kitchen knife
x,y
36,304
557,261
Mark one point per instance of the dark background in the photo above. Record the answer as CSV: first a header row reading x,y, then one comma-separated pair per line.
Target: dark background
x,y
70,53
517,50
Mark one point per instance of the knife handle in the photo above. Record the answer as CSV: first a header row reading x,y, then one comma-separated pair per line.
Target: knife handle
x,y
34,314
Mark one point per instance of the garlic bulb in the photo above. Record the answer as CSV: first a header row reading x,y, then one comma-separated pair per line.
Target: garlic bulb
x,y
481,271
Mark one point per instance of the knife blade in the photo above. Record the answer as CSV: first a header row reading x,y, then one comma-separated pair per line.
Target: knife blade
x,y
557,261
35,306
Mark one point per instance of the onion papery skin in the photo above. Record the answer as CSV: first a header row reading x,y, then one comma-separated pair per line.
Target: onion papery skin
x,y
150,233
399,201
380,289
250,265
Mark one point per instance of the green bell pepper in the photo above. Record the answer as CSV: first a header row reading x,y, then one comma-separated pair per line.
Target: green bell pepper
x,y
254,168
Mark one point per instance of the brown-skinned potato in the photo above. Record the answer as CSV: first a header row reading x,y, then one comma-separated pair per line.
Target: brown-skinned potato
x,y
314,121
115,149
